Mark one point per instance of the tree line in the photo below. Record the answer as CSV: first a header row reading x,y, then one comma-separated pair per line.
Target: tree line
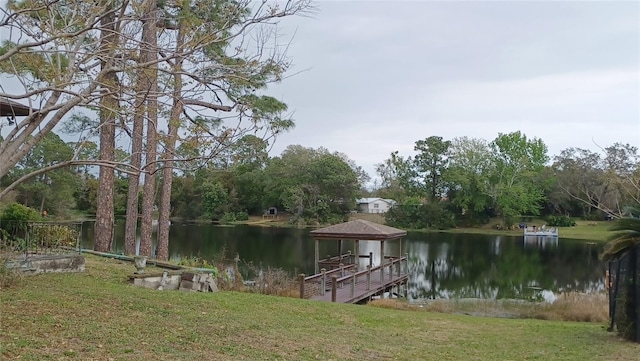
x,y
467,181
461,182
314,186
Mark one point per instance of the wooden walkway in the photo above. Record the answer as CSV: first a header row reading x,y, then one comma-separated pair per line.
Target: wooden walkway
x,y
346,285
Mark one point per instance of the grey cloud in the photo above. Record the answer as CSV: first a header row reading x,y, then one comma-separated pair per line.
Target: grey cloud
x,y
385,74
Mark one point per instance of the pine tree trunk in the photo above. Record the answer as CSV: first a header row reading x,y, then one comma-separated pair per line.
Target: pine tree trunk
x,y
170,146
131,224
108,112
149,40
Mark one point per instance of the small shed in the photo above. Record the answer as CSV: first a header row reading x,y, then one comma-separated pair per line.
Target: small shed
x,y
358,230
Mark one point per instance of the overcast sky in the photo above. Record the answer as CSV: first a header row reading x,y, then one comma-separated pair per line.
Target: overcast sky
x,y
378,76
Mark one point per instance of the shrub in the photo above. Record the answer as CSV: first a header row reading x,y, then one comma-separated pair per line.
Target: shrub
x,y
54,235
273,281
242,216
231,217
15,218
560,221
419,216
228,217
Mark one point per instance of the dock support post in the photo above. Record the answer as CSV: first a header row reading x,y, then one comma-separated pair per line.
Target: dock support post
x,y
370,259
406,263
391,270
334,288
301,278
382,275
316,256
353,285
357,255
368,278
323,282
341,273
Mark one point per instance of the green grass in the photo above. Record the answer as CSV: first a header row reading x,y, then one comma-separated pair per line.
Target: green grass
x,y
97,315
587,230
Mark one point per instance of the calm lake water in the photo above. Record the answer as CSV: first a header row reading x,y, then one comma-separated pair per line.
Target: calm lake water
x,y
441,265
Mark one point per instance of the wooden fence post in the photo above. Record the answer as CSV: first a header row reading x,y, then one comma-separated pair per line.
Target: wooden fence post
x,y
368,278
301,277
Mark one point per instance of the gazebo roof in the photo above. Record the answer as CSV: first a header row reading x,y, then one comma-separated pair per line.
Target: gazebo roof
x,y
359,230
11,108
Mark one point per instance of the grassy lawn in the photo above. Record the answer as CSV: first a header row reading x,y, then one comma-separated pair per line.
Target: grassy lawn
x,y
592,231
97,315
588,230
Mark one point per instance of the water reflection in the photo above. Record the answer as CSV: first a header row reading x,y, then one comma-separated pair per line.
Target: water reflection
x,y
440,265
489,267
540,242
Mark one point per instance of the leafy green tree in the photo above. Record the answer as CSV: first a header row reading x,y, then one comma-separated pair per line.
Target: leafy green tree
x,y
390,173
515,162
215,200
248,161
186,198
415,214
315,186
86,195
52,190
604,182
579,174
467,178
419,176
429,164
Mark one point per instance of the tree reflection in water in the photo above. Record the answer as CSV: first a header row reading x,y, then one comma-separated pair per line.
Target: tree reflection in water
x,y
441,265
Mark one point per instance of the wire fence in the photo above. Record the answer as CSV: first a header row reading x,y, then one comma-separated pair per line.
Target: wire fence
x,y
29,239
624,294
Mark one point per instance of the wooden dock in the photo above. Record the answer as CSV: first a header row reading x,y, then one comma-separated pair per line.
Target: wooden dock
x,y
345,284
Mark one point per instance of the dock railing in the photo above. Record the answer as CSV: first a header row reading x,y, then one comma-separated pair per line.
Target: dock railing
x,y
335,261
318,285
